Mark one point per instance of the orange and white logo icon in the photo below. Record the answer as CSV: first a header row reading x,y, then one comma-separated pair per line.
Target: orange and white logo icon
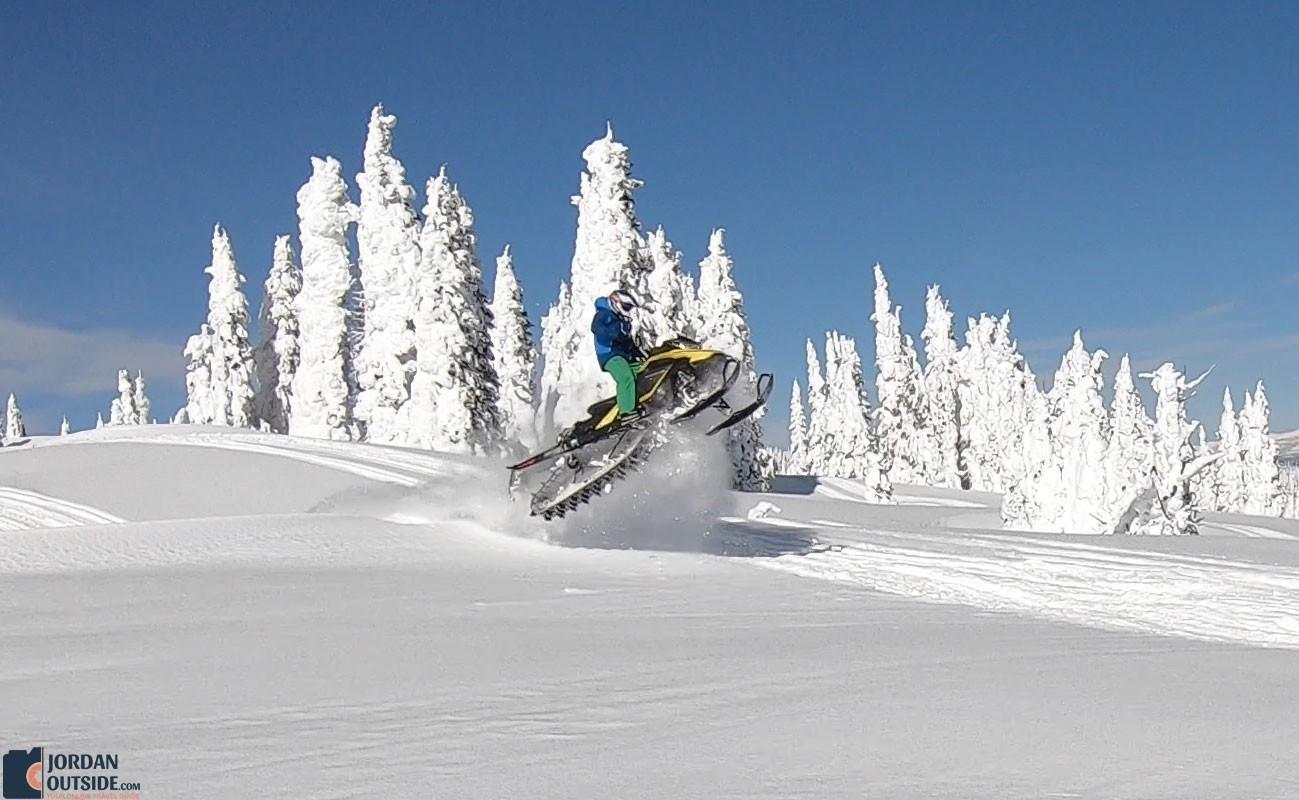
x,y
34,776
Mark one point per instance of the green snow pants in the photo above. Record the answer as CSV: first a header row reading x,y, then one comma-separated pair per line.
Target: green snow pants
x,y
624,374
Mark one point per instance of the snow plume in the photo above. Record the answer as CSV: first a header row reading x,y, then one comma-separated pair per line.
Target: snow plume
x,y
14,428
1168,505
219,377
277,355
722,326
900,419
515,355
943,456
454,396
609,253
672,503
387,237
321,388
1065,491
670,294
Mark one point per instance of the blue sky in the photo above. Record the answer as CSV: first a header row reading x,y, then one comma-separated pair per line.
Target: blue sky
x,y
1129,169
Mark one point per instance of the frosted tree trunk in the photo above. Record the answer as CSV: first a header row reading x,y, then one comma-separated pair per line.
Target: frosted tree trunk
x,y
454,402
722,326
387,237
321,389
278,353
515,354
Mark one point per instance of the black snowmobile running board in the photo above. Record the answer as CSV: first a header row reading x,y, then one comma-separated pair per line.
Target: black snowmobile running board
x,y
736,417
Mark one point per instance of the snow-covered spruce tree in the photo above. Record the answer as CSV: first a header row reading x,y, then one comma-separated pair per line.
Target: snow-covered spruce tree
x,y
900,419
609,253
99,420
515,355
816,441
1262,475
455,393
122,410
143,408
198,408
277,355
1130,450
1290,492
387,237
219,377
669,296
64,428
796,461
14,428
1168,505
944,457
1066,491
321,390
1002,410
849,448
722,326
1225,485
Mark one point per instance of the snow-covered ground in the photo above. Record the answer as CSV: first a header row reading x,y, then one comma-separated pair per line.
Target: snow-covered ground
x,y
241,615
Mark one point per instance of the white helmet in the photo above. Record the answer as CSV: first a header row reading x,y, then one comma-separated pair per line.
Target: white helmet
x,y
622,302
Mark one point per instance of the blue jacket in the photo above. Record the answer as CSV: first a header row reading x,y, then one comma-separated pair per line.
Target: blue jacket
x,y
612,334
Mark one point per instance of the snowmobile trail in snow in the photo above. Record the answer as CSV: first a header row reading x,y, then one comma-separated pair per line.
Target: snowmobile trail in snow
x,y
22,509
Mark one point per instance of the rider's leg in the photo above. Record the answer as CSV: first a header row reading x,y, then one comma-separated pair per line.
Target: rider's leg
x,y
625,376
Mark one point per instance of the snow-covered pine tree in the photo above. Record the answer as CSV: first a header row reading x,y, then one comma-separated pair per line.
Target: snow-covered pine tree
x,y
199,354
1130,449
277,355
1002,410
1225,484
1066,491
817,440
515,355
99,420
1262,475
321,390
14,428
796,461
229,358
64,428
944,457
122,410
722,326
455,393
387,237
143,408
1168,505
609,253
900,418
669,296
850,449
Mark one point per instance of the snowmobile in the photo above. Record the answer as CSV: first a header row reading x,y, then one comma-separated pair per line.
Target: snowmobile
x,y
679,381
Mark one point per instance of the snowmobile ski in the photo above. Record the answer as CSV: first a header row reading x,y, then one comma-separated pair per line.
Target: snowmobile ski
x,y
736,417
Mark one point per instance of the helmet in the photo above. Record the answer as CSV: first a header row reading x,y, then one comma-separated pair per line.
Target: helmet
x,y
622,302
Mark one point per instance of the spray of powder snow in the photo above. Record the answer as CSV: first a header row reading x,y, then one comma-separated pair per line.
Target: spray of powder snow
x,y
671,503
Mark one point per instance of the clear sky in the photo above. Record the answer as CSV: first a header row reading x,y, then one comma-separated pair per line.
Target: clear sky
x,y
1131,169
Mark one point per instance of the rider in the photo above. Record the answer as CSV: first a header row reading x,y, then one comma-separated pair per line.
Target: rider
x,y
615,348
